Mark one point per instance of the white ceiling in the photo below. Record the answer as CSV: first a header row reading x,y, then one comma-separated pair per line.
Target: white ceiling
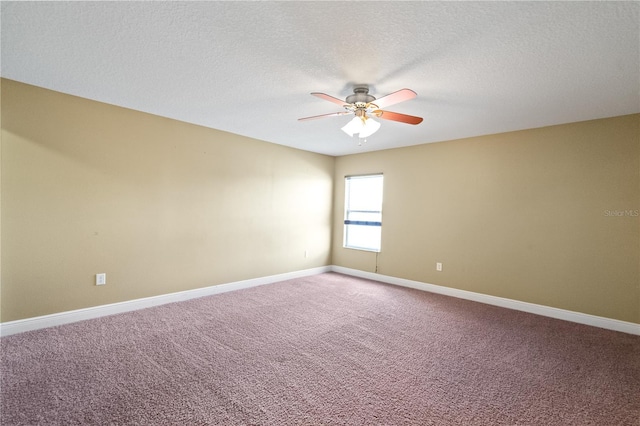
x,y
248,67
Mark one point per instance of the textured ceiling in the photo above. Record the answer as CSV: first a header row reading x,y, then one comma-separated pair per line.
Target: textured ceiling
x,y
248,67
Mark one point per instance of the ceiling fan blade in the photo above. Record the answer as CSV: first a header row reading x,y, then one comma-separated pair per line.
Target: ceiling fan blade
x,y
394,116
324,115
395,97
330,98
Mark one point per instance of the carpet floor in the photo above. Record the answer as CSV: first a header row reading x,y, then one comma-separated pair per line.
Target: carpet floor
x,y
322,350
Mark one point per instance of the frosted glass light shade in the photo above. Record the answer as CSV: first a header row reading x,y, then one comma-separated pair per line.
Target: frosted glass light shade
x,y
353,126
370,127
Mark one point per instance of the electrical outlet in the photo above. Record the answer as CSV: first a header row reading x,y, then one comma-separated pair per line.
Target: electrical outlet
x,y
306,253
438,266
101,279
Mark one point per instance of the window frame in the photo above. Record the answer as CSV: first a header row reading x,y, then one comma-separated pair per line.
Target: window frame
x,y
350,222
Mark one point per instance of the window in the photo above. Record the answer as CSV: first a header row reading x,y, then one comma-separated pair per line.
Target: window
x,y
363,212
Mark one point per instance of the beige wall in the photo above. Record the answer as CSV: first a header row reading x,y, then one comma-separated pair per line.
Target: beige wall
x,y
159,205
529,215
164,206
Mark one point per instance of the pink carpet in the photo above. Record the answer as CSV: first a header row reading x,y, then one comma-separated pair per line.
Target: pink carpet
x,y
322,350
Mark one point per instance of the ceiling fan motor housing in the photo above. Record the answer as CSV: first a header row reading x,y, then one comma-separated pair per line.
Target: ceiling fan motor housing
x,y
360,95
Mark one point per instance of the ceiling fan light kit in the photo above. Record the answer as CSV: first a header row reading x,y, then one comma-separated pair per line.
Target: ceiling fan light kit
x,y
364,126
361,105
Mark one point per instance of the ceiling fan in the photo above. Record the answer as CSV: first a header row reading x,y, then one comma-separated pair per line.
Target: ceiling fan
x,y
365,106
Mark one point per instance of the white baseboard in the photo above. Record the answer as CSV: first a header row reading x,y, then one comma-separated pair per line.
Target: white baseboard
x,y
20,326
547,311
35,323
